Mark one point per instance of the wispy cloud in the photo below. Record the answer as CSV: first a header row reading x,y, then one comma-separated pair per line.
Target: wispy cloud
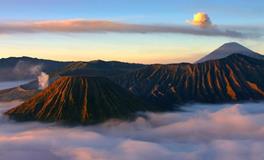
x,y
102,26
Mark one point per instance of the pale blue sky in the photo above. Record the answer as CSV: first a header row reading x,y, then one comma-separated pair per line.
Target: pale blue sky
x,y
132,47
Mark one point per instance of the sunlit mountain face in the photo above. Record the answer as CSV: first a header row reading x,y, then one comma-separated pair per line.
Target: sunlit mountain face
x,y
81,100
131,80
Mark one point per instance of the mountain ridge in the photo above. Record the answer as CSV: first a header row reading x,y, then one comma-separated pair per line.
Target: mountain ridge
x,y
32,88
25,68
230,79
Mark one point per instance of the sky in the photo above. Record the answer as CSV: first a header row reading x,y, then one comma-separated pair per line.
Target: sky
x,y
143,31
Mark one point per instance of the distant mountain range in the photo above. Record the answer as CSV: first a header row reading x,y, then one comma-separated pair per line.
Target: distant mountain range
x,y
80,89
25,68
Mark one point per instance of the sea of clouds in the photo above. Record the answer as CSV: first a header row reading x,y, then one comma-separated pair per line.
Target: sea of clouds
x,y
201,132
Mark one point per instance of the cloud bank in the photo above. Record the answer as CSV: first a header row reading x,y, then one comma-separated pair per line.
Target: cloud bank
x,y
203,132
100,26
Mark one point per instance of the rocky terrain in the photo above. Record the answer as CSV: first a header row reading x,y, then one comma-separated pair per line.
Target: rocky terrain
x,y
231,79
80,100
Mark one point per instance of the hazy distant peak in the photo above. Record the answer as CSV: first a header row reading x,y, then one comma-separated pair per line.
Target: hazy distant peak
x,y
233,47
228,49
233,44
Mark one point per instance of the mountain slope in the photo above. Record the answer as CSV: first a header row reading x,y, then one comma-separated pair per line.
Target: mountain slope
x,y
229,49
233,78
80,100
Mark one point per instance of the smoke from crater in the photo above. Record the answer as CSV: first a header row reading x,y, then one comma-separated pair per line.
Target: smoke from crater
x,y
26,69
43,80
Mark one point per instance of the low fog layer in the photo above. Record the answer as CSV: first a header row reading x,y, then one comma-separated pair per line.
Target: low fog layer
x,y
6,85
203,132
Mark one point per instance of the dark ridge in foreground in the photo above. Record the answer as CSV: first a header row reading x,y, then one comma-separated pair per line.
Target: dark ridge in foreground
x,y
230,79
80,100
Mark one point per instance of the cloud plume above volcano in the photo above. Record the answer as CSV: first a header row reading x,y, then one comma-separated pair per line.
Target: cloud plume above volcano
x,y
201,19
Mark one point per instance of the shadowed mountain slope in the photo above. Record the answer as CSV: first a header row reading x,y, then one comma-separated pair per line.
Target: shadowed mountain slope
x,y
80,100
233,78
99,68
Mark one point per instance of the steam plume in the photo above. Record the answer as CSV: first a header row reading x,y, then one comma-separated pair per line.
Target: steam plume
x,y
43,80
24,68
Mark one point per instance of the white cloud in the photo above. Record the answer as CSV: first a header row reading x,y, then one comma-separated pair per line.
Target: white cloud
x,y
203,132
